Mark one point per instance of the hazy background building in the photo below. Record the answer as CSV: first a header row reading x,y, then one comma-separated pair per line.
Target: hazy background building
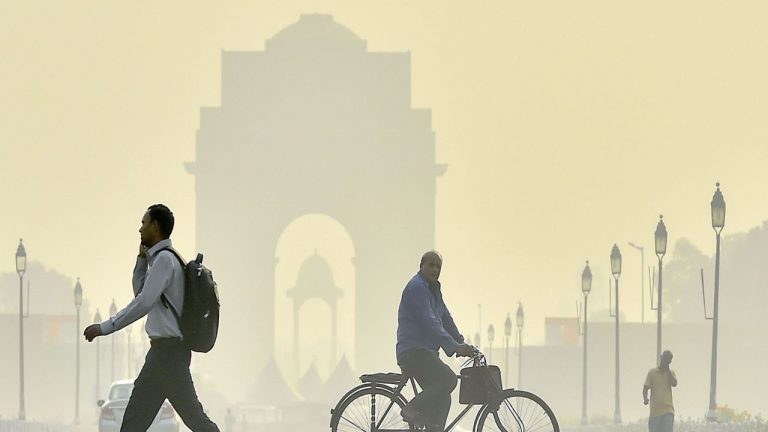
x,y
314,125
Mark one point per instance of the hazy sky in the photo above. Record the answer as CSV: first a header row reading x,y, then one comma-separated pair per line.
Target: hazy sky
x,y
566,126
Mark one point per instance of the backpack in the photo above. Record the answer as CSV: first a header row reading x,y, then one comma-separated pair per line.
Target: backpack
x,y
199,318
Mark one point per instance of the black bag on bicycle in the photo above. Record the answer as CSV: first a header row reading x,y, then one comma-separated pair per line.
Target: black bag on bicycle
x,y
479,384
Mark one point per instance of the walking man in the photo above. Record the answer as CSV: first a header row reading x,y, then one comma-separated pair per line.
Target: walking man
x,y
660,381
166,370
424,326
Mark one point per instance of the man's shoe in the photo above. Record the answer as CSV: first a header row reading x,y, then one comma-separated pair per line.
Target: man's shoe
x,y
409,415
418,420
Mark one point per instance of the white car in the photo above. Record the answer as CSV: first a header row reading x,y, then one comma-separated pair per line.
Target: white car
x,y
112,410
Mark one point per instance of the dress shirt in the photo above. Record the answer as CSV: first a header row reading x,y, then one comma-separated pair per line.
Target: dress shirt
x,y
159,273
423,320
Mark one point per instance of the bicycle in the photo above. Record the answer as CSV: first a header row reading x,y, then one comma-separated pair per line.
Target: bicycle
x,y
374,406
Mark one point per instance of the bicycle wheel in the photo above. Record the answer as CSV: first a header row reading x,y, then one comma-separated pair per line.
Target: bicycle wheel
x,y
518,411
371,409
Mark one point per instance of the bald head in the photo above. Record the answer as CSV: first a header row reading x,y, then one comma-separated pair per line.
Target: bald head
x,y
431,254
431,264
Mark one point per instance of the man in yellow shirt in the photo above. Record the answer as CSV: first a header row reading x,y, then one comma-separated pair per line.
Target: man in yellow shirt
x,y
660,381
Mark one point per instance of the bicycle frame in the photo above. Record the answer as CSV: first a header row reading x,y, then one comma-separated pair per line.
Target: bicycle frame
x,y
398,394
393,391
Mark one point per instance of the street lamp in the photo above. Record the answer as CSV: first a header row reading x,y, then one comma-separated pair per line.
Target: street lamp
x,y
477,339
507,334
718,222
661,249
491,333
642,280
586,287
97,320
21,268
128,332
520,318
78,303
112,312
616,271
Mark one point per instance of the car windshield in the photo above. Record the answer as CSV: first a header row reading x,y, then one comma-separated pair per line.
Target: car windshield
x,y
120,391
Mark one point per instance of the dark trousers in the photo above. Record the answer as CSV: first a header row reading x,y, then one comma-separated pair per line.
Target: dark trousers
x,y
165,375
437,381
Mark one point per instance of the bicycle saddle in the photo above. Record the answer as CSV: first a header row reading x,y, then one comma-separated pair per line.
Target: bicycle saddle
x,y
385,378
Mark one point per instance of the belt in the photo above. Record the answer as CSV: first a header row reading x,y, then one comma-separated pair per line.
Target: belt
x,y
166,341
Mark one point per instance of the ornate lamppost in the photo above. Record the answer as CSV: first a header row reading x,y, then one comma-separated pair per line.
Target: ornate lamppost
x,y
661,249
21,268
78,303
97,320
616,271
520,318
586,287
130,348
718,222
507,334
491,333
112,312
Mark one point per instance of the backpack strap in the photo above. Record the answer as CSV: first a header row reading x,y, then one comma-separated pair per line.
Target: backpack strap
x,y
163,298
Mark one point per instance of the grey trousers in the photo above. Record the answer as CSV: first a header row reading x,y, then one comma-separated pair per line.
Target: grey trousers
x,y
662,423
165,375
437,381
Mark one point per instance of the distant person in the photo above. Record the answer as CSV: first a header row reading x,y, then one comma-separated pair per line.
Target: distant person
x,y
166,369
424,326
660,381
229,421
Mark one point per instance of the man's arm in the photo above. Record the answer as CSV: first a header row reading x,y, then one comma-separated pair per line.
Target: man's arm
x,y
157,280
140,270
450,327
646,387
672,378
139,275
416,301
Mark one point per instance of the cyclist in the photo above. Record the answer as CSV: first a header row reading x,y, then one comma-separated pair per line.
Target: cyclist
x,y
424,326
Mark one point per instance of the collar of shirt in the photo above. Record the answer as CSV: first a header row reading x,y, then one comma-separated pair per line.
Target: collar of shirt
x,y
434,287
154,250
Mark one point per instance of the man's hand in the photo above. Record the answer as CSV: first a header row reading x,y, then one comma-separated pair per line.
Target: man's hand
x,y
142,250
465,350
645,401
92,332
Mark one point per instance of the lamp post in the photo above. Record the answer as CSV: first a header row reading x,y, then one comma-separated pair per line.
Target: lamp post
x,y
586,287
112,312
78,303
718,222
21,268
128,333
520,318
479,324
661,249
642,280
616,271
491,333
507,334
97,320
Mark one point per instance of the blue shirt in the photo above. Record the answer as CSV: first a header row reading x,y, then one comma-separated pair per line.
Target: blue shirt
x,y
423,320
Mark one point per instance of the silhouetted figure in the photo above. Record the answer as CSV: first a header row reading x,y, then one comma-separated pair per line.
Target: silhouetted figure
x,y
424,326
165,373
660,381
